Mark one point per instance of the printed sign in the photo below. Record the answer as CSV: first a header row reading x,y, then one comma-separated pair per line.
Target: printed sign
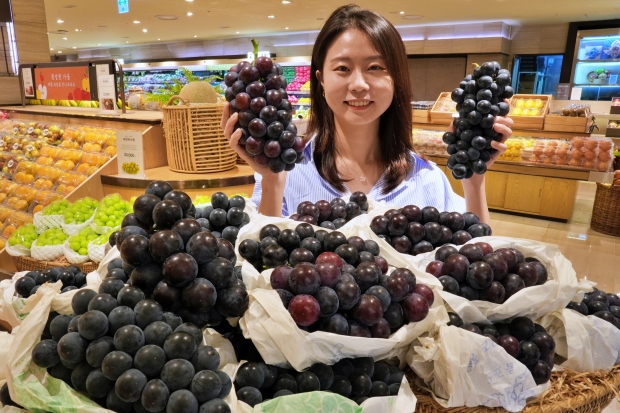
x,y
123,6
130,155
107,94
562,92
62,83
575,93
28,82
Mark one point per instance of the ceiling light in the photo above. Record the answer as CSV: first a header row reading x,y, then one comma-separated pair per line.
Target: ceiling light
x,y
195,36
236,32
77,30
144,30
411,17
286,2
74,47
64,38
60,21
166,17
286,28
98,44
60,51
402,12
51,48
190,14
271,16
189,1
127,42
136,22
158,39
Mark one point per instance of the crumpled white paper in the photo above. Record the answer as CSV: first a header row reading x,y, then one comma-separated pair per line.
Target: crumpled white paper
x,y
466,369
561,287
588,343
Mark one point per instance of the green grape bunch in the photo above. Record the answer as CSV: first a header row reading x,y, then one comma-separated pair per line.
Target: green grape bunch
x,y
81,211
79,243
111,211
52,237
25,235
56,208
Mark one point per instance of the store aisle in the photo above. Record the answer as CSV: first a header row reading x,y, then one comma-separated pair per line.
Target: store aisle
x,y
593,254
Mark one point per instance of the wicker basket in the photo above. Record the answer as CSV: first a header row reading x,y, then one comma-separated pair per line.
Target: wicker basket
x,y
570,391
30,264
194,139
606,210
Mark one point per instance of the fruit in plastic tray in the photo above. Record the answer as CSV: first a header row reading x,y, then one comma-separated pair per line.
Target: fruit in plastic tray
x,y
45,160
7,186
47,197
71,154
87,169
25,193
79,243
50,151
23,178
112,209
65,165
53,236
16,220
17,203
5,213
80,211
94,159
28,167
110,150
56,207
49,173
25,235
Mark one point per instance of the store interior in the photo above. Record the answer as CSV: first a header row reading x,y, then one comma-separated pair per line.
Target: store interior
x,y
98,101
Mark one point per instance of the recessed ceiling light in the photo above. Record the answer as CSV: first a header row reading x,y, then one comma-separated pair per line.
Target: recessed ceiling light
x,y
286,28
190,14
271,16
236,32
64,38
77,30
127,42
98,44
51,48
411,17
158,39
136,22
189,1
60,21
402,12
195,36
286,2
74,47
144,30
60,51
166,17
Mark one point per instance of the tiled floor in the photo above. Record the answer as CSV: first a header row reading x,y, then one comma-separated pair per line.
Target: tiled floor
x,y
594,256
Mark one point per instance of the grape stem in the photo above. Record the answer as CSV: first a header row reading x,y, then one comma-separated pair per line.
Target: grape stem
x,y
255,44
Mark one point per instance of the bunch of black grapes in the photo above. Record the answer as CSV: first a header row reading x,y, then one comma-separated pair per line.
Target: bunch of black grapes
x,y
475,272
479,99
72,278
600,304
224,217
257,93
175,260
523,339
358,379
129,355
338,285
332,215
411,230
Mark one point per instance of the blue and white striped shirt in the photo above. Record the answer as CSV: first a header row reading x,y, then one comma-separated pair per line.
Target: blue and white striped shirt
x,y
425,185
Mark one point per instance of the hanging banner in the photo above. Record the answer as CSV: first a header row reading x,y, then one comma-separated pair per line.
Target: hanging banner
x,y
63,83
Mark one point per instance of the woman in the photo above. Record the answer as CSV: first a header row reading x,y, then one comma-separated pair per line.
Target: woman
x,y
360,124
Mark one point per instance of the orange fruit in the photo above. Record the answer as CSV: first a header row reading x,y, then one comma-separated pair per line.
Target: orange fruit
x,y
38,208
68,190
110,150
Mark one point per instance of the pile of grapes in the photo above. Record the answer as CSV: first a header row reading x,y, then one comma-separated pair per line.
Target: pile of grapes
x,y
224,217
338,285
479,99
332,215
357,379
80,211
72,278
411,230
128,355
523,339
173,258
257,92
475,272
600,304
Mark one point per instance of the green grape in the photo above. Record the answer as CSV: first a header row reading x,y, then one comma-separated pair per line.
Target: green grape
x,y
53,236
56,208
80,241
25,235
202,199
112,211
80,211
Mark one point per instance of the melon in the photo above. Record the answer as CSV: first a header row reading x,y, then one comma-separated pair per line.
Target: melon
x,y
199,92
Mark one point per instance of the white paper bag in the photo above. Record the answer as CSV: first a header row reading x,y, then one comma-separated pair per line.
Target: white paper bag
x,y
11,306
588,343
6,339
466,369
534,302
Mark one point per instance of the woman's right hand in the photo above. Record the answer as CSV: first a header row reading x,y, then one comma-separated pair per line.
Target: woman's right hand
x,y
228,125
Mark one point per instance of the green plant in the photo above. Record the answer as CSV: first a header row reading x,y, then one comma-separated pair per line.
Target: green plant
x,y
173,88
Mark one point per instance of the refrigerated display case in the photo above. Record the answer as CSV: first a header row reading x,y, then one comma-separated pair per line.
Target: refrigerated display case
x,y
596,65
536,74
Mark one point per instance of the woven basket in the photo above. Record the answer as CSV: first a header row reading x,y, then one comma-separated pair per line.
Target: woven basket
x,y
30,264
570,391
195,141
606,210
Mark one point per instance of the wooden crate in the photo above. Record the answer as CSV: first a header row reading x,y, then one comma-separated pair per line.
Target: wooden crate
x,y
530,122
558,123
438,116
421,116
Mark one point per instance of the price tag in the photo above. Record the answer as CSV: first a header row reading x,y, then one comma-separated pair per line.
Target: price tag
x,y
10,163
45,132
15,131
30,130
130,155
16,146
1,142
29,148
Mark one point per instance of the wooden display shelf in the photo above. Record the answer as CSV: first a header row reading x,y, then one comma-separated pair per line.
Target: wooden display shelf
x,y
515,132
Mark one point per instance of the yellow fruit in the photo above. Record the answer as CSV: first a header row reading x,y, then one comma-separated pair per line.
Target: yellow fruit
x,y
529,103
538,103
517,111
520,103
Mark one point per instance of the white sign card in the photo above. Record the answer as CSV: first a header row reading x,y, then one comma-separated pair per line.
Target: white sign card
x,y
575,93
107,94
130,155
28,82
102,70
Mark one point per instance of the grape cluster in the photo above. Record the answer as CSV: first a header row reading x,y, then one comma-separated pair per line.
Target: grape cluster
x,y
80,211
332,215
175,259
72,278
79,242
224,217
25,235
523,339
411,230
331,283
56,208
128,355
257,93
475,272
357,379
479,99
600,304
51,237
111,211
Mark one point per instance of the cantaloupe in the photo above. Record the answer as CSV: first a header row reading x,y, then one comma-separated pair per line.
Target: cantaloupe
x,y
199,92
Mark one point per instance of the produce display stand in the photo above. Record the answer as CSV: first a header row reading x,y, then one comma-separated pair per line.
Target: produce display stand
x,y
569,391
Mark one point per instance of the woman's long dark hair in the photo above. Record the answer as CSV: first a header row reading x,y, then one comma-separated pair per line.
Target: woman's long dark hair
x,y
395,123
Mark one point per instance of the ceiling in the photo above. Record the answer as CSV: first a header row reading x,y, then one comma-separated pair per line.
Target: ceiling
x,y
91,24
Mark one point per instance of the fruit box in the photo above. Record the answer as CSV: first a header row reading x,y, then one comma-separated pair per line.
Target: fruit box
x,y
558,123
421,116
530,122
613,132
438,116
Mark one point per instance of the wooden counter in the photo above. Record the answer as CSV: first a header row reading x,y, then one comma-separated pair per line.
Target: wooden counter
x,y
75,115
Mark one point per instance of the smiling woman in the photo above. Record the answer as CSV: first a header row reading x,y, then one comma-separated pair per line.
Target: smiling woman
x,y
360,128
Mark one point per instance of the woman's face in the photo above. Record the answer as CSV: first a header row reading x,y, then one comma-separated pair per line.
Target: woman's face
x,y
358,87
